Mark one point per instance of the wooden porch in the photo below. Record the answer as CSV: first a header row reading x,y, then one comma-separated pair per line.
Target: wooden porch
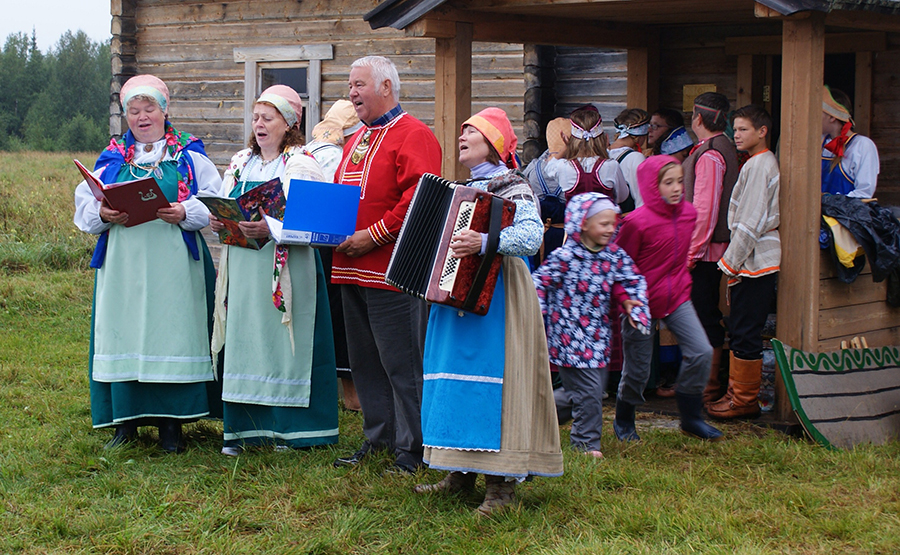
x,y
732,44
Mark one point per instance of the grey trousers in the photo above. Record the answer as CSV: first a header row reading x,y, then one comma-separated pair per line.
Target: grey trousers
x,y
696,355
386,341
584,391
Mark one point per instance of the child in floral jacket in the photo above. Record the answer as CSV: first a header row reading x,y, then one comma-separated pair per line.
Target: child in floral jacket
x,y
574,286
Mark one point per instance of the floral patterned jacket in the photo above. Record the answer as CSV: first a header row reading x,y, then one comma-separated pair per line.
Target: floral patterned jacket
x,y
574,286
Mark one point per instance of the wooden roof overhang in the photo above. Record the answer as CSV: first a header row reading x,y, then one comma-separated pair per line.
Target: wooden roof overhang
x,y
635,25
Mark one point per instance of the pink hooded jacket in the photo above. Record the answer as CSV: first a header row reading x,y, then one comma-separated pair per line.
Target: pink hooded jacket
x,y
657,237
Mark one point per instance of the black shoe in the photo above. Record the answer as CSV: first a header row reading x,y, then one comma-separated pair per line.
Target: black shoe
x,y
125,433
692,424
170,435
355,458
623,425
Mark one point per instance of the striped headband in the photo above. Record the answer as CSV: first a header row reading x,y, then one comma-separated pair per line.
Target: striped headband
x,y
718,113
635,130
145,90
594,132
282,105
831,106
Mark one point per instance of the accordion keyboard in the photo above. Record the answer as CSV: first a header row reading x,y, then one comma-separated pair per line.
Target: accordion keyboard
x,y
451,263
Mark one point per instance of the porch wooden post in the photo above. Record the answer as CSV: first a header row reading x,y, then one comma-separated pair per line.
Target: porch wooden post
x,y
643,75
803,58
744,81
862,112
452,94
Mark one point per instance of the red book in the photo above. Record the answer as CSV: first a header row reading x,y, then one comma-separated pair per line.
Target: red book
x,y
140,199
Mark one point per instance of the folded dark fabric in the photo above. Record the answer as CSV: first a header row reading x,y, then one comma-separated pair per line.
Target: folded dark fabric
x,y
874,227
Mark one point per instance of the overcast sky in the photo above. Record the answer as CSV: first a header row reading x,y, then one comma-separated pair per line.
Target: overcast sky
x,y
51,18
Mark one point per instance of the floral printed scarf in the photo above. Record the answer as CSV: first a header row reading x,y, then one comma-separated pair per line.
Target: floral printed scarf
x,y
121,151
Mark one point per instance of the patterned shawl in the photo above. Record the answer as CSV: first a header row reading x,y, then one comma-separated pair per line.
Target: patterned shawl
x,y
121,151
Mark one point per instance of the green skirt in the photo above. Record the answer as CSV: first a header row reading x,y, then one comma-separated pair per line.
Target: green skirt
x,y
248,424
114,402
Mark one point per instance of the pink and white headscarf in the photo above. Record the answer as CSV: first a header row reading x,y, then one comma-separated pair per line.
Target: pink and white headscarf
x,y
286,101
145,85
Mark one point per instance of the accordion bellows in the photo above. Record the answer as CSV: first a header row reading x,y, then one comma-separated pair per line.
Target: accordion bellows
x,y
421,263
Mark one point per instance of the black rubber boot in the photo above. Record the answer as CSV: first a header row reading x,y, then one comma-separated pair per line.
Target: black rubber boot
x,y
125,433
623,425
691,409
170,435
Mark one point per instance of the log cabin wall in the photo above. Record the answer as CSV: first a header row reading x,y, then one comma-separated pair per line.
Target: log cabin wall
x,y
190,45
591,75
885,123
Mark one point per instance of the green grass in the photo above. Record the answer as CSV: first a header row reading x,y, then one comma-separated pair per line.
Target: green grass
x,y
757,492
36,208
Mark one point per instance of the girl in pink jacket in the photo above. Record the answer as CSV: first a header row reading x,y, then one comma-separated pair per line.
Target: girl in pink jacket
x,y
657,237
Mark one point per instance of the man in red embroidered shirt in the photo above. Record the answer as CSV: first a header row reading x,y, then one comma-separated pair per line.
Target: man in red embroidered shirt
x,y
385,328
710,171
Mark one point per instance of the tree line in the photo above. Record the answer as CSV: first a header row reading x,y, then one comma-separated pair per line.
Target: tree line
x,y
58,101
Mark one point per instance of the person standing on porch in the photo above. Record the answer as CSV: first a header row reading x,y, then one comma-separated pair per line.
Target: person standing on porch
x,y
710,171
751,263
584,166
385,158
663,122
850,163
632,127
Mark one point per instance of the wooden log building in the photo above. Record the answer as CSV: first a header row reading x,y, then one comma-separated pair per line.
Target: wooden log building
x,y
538,59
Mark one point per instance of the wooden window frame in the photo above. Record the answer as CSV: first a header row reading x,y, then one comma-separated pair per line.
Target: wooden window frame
x,y
308,55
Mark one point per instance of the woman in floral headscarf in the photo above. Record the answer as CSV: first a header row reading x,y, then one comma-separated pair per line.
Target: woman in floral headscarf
x,y
272,315
487,402
150,361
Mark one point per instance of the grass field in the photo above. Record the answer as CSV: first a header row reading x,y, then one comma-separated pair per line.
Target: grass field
x,y
60,492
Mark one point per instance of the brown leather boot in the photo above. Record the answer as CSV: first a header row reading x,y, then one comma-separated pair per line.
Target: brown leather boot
x,y
741,401
452,483
713,391
499,495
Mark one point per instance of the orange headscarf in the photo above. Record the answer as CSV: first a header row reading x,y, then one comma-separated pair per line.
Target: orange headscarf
x,y
496,128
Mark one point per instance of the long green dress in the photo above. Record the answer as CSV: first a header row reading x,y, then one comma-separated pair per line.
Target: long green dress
x,y
274,394
149,353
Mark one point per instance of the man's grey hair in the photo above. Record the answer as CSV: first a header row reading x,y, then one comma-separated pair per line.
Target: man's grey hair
x,y
382,70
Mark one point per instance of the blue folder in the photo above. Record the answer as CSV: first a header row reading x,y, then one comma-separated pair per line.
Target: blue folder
x,y
324,214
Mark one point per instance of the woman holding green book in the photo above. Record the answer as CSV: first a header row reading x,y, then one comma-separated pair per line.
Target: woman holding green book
x,y
271,315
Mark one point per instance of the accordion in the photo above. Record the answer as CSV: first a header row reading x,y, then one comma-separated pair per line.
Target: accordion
x,y
422,263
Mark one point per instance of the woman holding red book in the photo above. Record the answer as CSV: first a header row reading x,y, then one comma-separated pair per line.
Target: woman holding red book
x,y
150,362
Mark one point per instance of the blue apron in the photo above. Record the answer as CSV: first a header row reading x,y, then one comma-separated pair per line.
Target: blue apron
x,y
836,181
